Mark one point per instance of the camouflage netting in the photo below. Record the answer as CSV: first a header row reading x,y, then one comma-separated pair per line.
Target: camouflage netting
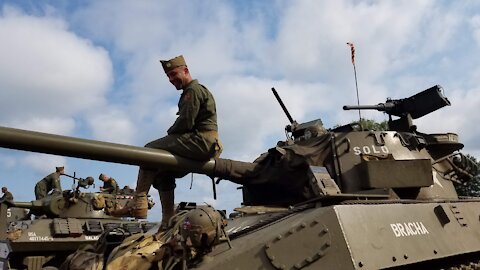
x,y
281,172
191,234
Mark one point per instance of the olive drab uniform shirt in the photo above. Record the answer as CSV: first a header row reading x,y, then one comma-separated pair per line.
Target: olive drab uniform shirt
x,y
110,186
196,110
7,196
48,183
193,135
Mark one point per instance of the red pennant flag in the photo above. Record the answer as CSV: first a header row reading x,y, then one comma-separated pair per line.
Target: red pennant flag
x,y
352,49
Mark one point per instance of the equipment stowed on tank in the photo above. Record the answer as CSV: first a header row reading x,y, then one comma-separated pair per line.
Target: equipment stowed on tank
x,y
42,233
343,198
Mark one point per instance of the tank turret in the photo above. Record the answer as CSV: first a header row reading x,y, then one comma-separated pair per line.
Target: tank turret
x,y
83,205
51,206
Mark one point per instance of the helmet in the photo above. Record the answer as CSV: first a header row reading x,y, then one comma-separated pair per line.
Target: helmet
x,y
90,180
86,182
203,226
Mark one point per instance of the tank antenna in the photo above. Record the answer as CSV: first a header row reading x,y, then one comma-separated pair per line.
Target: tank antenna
x,y
352,49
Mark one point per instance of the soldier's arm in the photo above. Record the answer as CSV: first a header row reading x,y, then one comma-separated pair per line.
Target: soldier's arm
x,y
114,186
107,188
56,183
53,181
188,111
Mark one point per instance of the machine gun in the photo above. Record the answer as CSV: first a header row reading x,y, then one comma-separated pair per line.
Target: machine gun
x,y
299,131
81,182
410,108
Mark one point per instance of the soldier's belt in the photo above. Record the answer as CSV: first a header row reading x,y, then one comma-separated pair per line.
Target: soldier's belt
x,y
209,133
213,135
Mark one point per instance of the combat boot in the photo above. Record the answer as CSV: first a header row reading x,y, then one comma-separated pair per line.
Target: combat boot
x,y
137,208
167,201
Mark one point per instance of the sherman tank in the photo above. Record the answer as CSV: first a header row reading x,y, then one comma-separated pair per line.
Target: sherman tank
x,y
339,198
42,233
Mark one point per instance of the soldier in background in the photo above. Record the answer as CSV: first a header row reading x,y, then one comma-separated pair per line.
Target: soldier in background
x,y
109,184
7,195
49,183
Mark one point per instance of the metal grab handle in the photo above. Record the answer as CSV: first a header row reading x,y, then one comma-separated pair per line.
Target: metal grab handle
x,y
347,141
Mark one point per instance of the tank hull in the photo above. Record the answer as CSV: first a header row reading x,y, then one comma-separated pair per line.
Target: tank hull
x,y
41,242
356,235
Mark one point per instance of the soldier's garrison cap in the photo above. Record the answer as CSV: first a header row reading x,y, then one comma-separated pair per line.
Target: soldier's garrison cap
x,y
169,65
101,176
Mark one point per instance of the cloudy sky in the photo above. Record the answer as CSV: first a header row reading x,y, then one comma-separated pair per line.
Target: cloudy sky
x,y
90,69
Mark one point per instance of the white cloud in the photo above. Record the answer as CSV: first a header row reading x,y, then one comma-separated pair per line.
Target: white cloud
x,y
48,71
56,125
459,118
7,162
113,125
43,163
475,24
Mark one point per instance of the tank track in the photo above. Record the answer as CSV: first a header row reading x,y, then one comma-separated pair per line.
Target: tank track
x,y
470,266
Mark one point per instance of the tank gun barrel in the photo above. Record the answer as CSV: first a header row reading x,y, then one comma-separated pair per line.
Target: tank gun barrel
x,y
284,108
36,205
383,107
51,205
96,150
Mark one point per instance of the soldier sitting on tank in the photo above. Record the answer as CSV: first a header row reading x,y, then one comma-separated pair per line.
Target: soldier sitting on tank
x,y
7,195
193,135
109,184
49,183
